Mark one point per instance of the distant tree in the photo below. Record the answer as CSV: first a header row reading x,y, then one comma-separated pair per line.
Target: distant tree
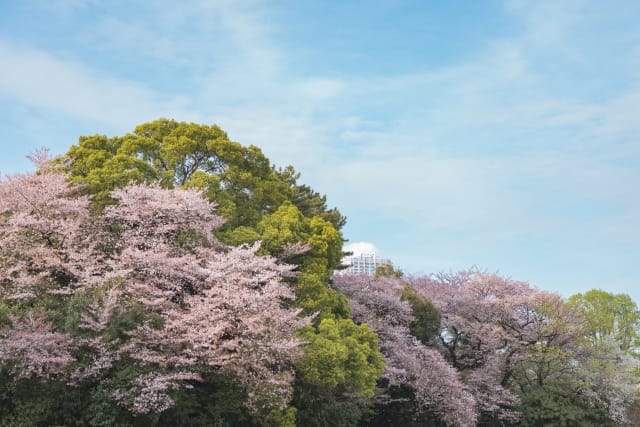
x,y
426,323
609,316
387,270
523,354
421,371
610,337
488,324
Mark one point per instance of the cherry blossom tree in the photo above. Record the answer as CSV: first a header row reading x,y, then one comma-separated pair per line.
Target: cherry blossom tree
x,y
199,303
515,343
436,384
488,323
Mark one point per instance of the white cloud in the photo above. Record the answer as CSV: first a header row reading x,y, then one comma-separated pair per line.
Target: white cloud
x,y
134,37
547,23
359,248
69,5
318,89
38,79
286,139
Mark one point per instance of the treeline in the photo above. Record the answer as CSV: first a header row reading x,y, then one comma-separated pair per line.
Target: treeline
x,y
174,277
472,348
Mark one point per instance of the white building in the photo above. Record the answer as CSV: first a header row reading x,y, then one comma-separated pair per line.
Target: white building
x,y
364,263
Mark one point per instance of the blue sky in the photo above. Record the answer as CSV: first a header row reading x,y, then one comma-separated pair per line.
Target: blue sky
x,y
498,134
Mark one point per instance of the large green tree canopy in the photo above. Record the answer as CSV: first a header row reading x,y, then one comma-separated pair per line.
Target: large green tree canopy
x,y
240,179
257,200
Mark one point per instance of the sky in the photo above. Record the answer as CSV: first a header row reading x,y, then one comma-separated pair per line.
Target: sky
x,y
497,134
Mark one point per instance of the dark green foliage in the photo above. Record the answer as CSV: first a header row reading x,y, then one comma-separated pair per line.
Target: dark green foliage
x,y
399,408
215,402
310,202
553,405
30,402
426,325
54,403
320,406
4,313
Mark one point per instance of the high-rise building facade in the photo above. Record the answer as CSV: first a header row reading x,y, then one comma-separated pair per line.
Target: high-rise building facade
x,y
364,264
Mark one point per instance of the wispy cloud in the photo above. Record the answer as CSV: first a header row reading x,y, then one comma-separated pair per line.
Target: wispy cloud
x,y
39,79
494,147
134,37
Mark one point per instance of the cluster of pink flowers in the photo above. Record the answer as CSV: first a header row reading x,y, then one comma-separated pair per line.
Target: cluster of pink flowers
x,y
207,304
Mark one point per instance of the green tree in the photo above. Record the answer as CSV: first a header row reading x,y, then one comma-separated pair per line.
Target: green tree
x,y
426,323
387,270
342,354
566,379
322,243
556,405
342,361
609,316
240,179
338,375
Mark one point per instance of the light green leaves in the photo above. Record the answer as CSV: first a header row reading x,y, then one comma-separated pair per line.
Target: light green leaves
x,y
343,355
